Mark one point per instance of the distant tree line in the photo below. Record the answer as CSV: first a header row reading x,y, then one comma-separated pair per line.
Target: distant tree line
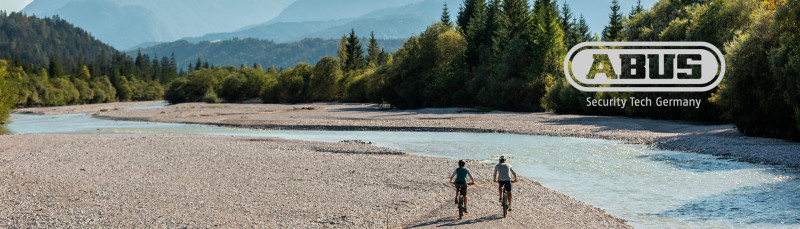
x,y
330,79
249,50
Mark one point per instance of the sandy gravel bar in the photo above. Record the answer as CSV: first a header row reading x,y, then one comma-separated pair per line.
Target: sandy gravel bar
x,y
672,135
87,108
172,181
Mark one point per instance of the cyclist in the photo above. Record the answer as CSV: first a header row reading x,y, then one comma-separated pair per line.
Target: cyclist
x,y
461,174
501,176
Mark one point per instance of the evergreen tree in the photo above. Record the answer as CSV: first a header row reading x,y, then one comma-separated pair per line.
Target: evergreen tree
x,y
55,69
494,15
446,16
516,19
373,50
465,13
568,26
383,57
636,9
355,58
583,31
198,64
477,36
613,31
172,63
505,86
166,70
155,73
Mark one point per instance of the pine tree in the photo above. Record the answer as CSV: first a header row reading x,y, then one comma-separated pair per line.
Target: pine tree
x,y
493,22
166,70
568,26
355,57
156,70
505,86
373,50
465,13
198,64
477,36
584,34
446,16
613,31
517,19
172,63
636,9
383,57
55,69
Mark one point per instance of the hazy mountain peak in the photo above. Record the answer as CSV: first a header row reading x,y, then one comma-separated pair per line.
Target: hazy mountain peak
x,y
323,10
157,20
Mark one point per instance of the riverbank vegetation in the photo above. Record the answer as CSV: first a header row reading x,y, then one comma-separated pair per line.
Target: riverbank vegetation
x,y
507,55
497,54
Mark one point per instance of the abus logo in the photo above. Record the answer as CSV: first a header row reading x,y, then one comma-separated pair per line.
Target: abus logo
x,y
644,66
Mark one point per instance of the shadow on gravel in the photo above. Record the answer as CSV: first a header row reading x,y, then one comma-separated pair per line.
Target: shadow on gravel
x,y
453,221
409,112
606,123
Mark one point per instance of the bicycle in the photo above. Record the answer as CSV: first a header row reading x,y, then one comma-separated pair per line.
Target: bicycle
x,y
504,202
460,202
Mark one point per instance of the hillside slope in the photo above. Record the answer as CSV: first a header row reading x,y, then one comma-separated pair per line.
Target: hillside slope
x,y
35,40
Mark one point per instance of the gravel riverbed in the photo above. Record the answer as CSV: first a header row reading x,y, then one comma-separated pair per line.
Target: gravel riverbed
x,y
171,181
219,181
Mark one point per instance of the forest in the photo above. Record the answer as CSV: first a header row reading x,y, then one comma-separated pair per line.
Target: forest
x,y
49,62
507,55
497,54
250,50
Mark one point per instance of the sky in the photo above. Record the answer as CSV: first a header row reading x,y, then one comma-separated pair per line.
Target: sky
x,y
13,5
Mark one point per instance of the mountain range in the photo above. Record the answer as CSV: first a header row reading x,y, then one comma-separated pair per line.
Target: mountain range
x,y
126,23
133,24
388,23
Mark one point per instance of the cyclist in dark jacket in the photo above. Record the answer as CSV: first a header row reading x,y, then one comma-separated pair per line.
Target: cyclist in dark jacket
x,y
461,174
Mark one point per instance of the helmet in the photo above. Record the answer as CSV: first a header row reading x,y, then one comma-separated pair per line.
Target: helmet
x,y
461,163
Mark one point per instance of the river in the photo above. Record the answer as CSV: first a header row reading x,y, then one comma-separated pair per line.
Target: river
x,y
650,188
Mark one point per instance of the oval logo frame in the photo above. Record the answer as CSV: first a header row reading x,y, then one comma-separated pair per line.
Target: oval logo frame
x,y
682,79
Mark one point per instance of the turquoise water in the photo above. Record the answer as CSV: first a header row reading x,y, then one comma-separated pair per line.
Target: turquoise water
x,y
648,187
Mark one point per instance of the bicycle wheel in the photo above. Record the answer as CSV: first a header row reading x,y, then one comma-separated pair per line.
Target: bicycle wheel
x,y
460,207
505,205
